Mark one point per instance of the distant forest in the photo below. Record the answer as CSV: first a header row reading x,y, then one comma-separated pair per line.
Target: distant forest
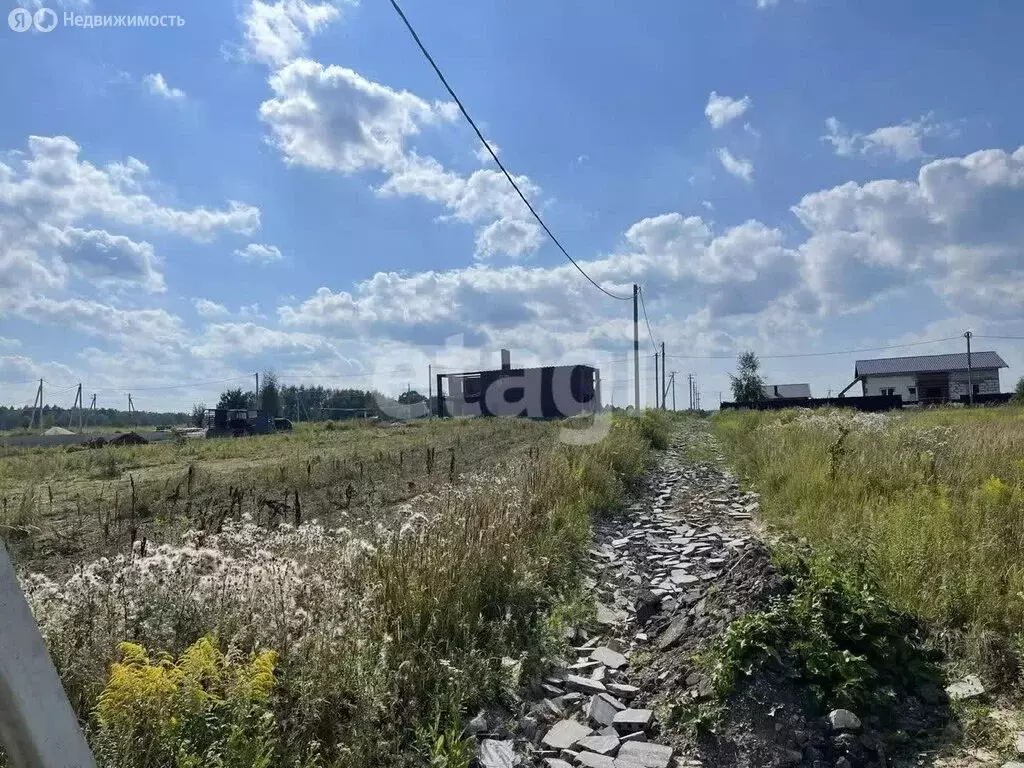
x,y
56,416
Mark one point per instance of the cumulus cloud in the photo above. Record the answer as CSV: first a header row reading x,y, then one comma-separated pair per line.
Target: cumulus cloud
x,y
46,193
239,341
902,142
128,327
276,33
721,110
955,228
738,167
256,253
158,86
333,118
484,156
207,308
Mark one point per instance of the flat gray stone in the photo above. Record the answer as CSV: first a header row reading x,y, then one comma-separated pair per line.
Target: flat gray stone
x,y
968,688
623,691
584,684
554,762
629,720
1013,764
565,733
593,760
843,720
674,633
1020,741
601,711
497,754
608,657
602,745
644,754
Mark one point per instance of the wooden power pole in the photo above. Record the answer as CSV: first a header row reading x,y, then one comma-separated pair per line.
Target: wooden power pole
x,y
636,348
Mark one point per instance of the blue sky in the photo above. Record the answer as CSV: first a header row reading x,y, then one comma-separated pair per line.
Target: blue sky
x,y
286,185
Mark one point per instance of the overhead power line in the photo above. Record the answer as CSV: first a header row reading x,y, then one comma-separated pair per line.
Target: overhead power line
x,y
648,322
817,354
494,155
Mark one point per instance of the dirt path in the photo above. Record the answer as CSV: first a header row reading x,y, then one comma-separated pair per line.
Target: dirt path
x,y
669,576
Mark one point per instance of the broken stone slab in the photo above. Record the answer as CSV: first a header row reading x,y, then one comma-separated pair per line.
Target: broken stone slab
x,y
644,754
602,745
630,720
968,688
674,633
1020,741
584,684
565,733
602,709
497,754
622,691
608,657
843,720
555,762
594,760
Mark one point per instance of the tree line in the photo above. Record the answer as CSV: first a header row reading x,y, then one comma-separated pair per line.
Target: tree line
x,y
314,403
56,416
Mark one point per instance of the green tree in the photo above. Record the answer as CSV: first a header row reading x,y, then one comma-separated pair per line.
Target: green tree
x,y
235,398
1018,391
270,394
198,414
410,397
747,383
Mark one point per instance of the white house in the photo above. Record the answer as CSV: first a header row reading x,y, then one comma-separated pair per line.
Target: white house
x,y
930,378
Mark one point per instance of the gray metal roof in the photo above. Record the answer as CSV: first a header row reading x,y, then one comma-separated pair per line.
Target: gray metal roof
x,y
927,364
772,391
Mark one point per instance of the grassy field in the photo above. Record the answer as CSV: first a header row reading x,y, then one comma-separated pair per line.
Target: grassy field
x,y
362,637
58,506
932,501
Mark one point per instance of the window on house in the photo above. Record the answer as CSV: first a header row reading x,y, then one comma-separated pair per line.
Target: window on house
x,y
889,391
977,388
912,391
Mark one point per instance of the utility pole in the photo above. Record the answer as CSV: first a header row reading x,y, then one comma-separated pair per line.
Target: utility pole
x,y
92,409
39,401
689,378
636,349
673,390
663,366
430,391
257,391
970,372
79,405
656,380
131,410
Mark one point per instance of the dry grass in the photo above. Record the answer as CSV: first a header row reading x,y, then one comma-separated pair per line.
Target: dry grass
x,y
386,637
932,500
59,506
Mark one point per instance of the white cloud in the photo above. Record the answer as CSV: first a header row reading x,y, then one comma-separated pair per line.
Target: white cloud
x,y
723,109
158,86
46,193
255,253
332,118
956,229
276,33
105,257
738,167
483,155
247,340
207,308
131,328
903,141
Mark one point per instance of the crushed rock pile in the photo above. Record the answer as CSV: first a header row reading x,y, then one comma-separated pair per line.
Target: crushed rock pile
x,y
669,576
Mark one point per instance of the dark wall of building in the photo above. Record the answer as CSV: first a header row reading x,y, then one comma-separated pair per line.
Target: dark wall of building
x,y
552,392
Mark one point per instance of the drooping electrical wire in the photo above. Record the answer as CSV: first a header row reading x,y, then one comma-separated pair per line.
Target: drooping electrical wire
x,y
654,344
494,155
816,354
